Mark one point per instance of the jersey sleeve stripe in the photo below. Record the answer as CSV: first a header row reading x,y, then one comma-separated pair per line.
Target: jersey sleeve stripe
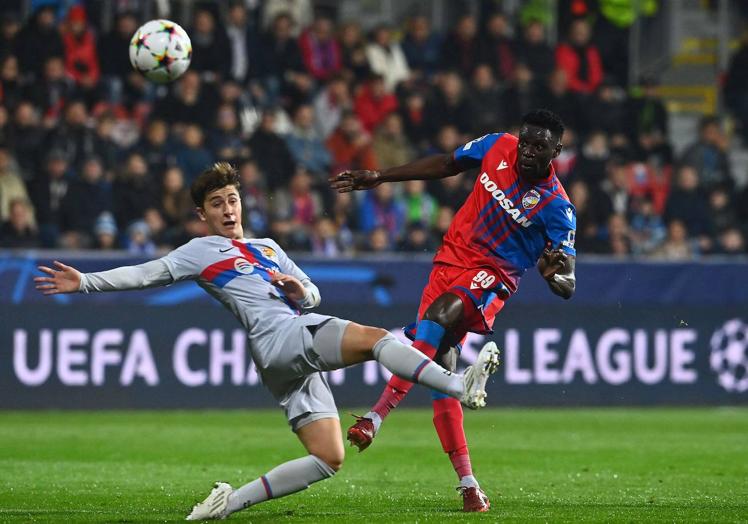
x,y
221,273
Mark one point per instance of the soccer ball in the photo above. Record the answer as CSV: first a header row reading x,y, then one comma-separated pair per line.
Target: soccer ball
x,y
161,50
729,357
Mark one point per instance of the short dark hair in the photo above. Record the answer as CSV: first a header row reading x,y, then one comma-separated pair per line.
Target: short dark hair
x,y
217,176
545,119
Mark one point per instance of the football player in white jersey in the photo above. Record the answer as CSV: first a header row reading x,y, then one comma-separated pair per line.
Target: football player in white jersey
x,y
267,293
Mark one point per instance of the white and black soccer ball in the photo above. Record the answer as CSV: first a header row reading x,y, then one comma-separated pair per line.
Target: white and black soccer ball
x,y
729,357
161,50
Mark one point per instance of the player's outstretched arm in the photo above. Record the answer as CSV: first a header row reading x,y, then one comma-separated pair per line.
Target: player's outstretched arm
x,y
429,168
557,268
67,279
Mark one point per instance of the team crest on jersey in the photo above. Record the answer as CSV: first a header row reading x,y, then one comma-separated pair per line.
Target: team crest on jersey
x,y
268,252
531,199
243,266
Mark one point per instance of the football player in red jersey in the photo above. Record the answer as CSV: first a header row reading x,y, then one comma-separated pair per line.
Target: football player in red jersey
x,y
517,216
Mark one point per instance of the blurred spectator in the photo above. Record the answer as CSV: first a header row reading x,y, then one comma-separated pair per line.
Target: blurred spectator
x,y
226,142
330,104
81,58
138,240
353,52
373,103
299,11
53,90
271,152
156,227
114,48
647,227
211,50
708,155
414,121
324,239
242,37
280,68
444,217
535,52
647,179
619,239
18,230
133,191
320,50
521,94
306,146
731,242
176,204
646,113
47,189
417,240
736,87
449,105
155,148
580,59
486,104
296,210
378,241
386,58
191,154
11,90
12,186
593,210
73,136
422,47
26,137
105,231
350,146
722,214
558,98
420,207
105,147
9,29
497,47
87,197
617,186
566,160
255,201
38,41
592,159
676,246
391,146
344,214
687,204
189,101
604,109
380,208
460,50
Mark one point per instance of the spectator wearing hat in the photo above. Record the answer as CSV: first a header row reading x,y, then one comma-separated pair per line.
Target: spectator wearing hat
x,y
105,231
81,58
139,239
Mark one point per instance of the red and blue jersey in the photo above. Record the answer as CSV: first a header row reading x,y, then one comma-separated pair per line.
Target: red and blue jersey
x,y
506,222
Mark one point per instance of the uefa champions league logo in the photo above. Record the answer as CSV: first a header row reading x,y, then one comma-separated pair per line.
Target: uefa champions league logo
x,y
729,357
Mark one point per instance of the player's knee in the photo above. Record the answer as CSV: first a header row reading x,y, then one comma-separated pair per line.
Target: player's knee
x,y
333,458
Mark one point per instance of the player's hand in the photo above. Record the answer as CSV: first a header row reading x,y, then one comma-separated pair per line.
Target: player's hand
x,y
551,262
348,181
64,279
291,286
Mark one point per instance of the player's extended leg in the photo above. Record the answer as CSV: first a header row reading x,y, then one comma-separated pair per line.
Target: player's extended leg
x,y
360,343
442,316
321,438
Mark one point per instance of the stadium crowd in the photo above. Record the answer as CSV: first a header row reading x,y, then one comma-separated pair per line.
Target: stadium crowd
x,y
92,156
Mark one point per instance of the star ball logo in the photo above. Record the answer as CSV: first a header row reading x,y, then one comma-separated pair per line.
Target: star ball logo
x,y
729,356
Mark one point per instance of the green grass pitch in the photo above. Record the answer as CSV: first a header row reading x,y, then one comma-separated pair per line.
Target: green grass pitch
x,y
565,465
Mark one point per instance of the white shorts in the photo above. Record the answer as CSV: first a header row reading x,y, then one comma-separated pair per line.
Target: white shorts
x,y
292,368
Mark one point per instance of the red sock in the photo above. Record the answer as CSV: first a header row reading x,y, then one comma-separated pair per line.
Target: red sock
x,y
396,389
448,424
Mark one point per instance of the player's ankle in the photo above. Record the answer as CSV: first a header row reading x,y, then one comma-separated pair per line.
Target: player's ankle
x,y
469,481
376,419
